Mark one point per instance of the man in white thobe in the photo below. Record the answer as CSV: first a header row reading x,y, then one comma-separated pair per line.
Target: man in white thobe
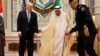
x,y
53,35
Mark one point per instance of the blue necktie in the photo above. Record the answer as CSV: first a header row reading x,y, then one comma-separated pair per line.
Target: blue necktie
x,y
28,17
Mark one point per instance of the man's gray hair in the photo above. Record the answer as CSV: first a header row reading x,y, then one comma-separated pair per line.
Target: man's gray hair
x,y
29,3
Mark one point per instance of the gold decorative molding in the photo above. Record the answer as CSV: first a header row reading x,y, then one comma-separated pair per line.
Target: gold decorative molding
x,y
87,2
97,6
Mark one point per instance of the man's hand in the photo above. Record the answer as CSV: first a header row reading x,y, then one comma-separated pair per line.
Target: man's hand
x,y
35,35
19,34
86,31
67,33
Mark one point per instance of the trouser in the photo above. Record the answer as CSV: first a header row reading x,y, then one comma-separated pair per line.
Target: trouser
x,y
86,43
1,47
26,41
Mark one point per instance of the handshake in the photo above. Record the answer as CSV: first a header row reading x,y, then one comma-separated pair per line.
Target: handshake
x,y
86,32
67,33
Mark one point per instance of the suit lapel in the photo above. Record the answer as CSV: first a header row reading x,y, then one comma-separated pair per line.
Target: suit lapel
x,y
26,18
30,16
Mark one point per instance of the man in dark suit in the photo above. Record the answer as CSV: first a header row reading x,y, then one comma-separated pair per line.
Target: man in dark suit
x,y
85,27
27,28
2,35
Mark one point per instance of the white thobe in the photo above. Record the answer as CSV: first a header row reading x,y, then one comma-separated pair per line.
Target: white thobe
x,y
59,38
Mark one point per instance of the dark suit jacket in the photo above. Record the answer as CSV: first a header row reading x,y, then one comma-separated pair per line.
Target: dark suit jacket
x,y
2,34
83,17
2,29
24,26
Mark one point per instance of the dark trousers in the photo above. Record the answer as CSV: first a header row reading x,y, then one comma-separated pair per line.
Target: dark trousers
x,y
86,43
26,41
1,47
